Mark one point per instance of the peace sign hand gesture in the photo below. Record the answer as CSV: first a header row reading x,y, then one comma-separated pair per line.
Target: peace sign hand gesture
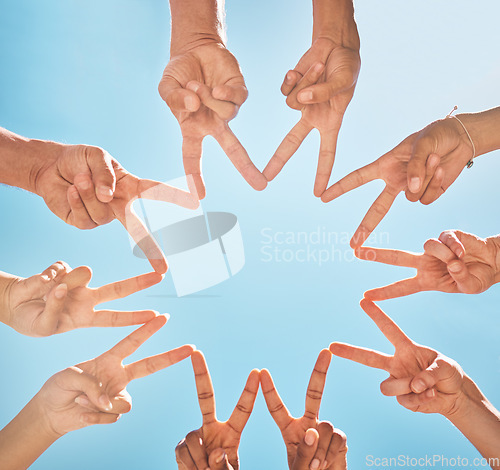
x,y
215,444
59,300
310,443
457,262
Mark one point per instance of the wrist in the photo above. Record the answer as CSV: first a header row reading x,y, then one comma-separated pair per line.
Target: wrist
x,y
7,282
42,420
493,244
484,129
190,41
469,401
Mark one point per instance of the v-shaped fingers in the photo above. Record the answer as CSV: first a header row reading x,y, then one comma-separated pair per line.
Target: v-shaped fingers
x,y
316,385
275,405
204,387
244,407
365,356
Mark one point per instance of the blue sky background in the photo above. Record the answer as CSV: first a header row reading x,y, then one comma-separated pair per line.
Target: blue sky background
x,y
87,72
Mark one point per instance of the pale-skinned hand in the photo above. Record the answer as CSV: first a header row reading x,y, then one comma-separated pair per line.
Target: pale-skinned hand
x,y
437,154
311,444
457,262
421,378
59,300
215,445
204,88
93,392
321,86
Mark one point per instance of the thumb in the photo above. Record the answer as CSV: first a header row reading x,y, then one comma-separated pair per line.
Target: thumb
x,y
466,282
100,164
47,322
178,99
439,370
218,460
306,450
422,149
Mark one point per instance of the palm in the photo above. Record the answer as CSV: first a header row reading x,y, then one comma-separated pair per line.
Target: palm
x,y
294,433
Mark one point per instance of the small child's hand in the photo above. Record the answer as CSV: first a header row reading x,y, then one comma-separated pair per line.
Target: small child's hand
x,y
59,300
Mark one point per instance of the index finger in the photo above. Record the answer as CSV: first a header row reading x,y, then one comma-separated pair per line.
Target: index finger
x,y
352,181
316,385
134,340
326,158
156,191
275,405
204,387
243,410
385,324
386,256
240,159
120,289
191,158
365,356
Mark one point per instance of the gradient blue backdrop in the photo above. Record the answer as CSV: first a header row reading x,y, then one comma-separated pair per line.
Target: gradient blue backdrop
x,y
87,72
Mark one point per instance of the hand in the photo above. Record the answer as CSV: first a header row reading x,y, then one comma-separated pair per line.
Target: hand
x,y
457,262
59,300
204,88
442,148
86,187
310,443
215,444
93,392
421,378
321,86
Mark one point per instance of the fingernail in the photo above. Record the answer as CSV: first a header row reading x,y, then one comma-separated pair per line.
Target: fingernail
x,y
193,346
45,278
190,103
419,386
430,393
289,77
193,86
310,437
105,191
434,160
61,291
414,184
167,316
82,401
454,267
306,96
325,465
315,464
318,68
85,184
105,403
220,458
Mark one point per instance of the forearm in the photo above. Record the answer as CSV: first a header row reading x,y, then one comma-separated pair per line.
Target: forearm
x,y
484,129
493,244
25,438
194,22
334,19
479,422
21,159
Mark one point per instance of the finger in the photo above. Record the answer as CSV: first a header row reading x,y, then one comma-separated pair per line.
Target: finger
x,y
153,190
197,450
191,157
392,387
422,149
100,164
466,282
451,240
385,324
99,212
204,387
119,404
322,92
325,430
78,277
310,77
39,285
290,81
365,356
243,410
121,289
89,419
134,340
219,461
116,319
52,273
178,99
431,167
306,450
396,289
286,149
78,216
387,256
224,109
439,250
240,159
47,322
183,457
235,94
413,401
275,405
336,459
352,181
373,217
326,159
75,379
153,364
317,384
435,188
440,370
144,240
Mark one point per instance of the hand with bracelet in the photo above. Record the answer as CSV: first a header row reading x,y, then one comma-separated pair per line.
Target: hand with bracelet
x,y
424,165
204,87
426,381
456,262
321,86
